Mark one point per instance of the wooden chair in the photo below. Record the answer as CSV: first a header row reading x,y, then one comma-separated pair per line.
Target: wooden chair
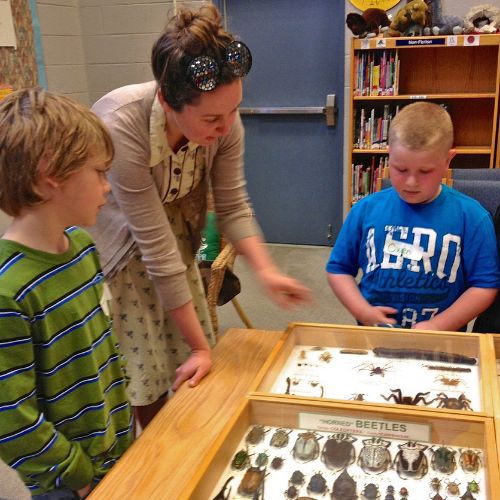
x,y
224,260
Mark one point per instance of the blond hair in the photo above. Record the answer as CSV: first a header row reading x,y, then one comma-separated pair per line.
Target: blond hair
x,y
37,125
422,126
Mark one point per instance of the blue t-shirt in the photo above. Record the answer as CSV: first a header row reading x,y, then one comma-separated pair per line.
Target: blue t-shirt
x,y
417,258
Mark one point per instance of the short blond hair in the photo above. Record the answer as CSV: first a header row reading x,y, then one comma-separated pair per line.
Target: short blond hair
x,y
38,125
423,126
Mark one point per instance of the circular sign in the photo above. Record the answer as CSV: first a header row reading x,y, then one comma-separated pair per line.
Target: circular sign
x,y
377,4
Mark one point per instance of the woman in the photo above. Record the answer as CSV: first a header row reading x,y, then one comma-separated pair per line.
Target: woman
x,y
173,137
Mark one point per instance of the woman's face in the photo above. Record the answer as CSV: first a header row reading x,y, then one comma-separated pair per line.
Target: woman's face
x,y
211,117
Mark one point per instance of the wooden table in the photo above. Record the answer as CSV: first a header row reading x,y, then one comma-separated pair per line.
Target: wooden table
x,y
169,451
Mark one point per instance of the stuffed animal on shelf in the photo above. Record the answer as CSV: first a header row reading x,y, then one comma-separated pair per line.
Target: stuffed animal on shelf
x,y
438,24
409,20
368,24
482,19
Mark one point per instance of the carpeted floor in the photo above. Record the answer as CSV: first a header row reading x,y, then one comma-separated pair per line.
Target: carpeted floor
x,y
305,263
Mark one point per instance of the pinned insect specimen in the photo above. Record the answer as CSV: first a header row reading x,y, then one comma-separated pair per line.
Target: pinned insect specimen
x,y
241,460
399,399
374,457
449,381
470,460
338,451
358,397
446,357
256,434
370,492
448,368
252,481
460,403
317,484
291,492
303,355
389,493
297,478
326,357
222,495
262,459
468,495
354,351
344,487
437,496
435,484
453,488
280,438
277,463
404,493
473,486
288,383
443,460
373,369
306,447
410,461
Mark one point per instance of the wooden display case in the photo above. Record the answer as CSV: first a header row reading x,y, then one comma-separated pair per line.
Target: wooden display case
x,y
458,432
461,73
494,352
371,380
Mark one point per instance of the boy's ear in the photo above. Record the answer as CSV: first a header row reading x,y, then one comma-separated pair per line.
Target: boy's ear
x,y
451,154
45,182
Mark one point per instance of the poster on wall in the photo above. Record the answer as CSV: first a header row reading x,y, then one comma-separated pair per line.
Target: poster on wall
x,y
377,4
7,33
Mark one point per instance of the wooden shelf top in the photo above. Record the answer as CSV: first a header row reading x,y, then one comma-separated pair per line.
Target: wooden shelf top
x,y
461,150
417,97
425,41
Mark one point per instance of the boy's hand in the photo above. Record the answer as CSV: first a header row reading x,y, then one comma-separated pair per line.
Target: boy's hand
x,y
194,369
426,325
375,315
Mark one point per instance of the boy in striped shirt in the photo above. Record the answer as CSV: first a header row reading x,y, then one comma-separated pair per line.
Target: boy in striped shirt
x,y
64,414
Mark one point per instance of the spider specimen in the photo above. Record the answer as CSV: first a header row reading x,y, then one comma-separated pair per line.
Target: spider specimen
x,y
399,399
374,369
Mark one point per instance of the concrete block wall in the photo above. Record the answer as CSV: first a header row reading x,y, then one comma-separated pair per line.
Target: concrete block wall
x,y
63,48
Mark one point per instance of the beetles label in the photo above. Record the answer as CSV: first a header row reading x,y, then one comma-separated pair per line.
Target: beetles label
x,y
366,427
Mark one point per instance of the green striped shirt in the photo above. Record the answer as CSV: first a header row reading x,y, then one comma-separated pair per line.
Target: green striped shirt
x,y
64,413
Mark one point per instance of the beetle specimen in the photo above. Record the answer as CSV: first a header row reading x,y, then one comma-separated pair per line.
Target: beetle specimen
x,y
280,438
240,460
452,382
437,496
473,486
252,481
460,403
370,492
404,493
222,493
410,461
467,495
344,487
443,460
338,451
470,460
317,484
452,487
291,492
374,457
256,434
262,459
373,369
399,399
306,447
297,478
436,484
389,493
277,463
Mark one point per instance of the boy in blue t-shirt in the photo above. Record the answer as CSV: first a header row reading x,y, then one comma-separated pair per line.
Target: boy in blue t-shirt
x,y
427,252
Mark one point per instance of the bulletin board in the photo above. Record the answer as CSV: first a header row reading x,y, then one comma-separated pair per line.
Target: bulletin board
x,y
18,66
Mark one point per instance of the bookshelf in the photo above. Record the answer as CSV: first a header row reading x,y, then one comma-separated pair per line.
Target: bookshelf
x,y
462,73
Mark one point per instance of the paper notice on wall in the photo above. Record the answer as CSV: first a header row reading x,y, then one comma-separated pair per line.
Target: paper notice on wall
x,y
7,32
